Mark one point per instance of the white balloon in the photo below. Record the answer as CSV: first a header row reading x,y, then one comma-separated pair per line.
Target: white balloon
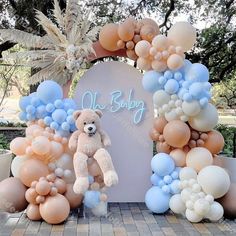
x,y
187,173
16,164
216,212
192,216
160,98
176,204
214,180
59,172
100,209
202,207
205,120
191,108
190,205
65,162
185,194
171,115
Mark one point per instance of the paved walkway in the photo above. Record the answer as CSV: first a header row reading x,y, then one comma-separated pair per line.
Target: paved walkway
x,y
123,219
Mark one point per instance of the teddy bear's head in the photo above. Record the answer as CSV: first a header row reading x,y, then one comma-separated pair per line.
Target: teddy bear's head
x,y
88,120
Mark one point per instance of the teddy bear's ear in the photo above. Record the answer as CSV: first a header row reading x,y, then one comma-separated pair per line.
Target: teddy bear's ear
x,y
76,114
99,113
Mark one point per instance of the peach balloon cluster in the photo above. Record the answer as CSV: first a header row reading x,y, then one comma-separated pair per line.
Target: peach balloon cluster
x,y
126,35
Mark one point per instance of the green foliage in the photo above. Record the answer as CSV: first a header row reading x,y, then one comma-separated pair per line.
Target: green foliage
x,y
228,133
11,124
4,144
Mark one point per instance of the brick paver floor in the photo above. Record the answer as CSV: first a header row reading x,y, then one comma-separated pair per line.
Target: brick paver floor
x,y
122,219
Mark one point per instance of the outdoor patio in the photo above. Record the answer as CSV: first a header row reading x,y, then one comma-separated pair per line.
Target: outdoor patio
x,y
123,219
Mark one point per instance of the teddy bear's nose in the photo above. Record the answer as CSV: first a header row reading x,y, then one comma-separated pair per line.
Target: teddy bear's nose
x,y
90,128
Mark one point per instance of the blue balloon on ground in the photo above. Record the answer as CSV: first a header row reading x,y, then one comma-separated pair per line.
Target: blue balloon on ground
x,y
24,102
49,91
198,73
59,115
150,81
162,164
156,200
91,198
155,179
171,86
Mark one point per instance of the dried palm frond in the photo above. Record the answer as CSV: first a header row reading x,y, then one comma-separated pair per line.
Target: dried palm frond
x,y
64,48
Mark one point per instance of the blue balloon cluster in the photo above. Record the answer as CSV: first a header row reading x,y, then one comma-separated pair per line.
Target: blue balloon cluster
x,y
47,103
92,198
189,82
165,181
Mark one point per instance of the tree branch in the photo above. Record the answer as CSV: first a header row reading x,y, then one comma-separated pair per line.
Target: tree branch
x,y
168,13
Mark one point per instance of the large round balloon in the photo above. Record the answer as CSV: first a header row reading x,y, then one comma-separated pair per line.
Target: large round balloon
x,y
156,200
182,34
33,212
12,195
205,120
214,180
150,81
198,158
55,209
177,133
214,142
177,205
75,200
16,164
18,146
32,170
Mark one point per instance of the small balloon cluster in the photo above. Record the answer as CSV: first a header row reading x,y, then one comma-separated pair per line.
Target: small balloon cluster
x,y
47,104
165,181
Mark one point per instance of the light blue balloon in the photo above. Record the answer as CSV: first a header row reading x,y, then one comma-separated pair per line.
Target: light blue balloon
x,y
162,80
150,81
187,97
175,175
166,188
58,103
197,90
178,75
65,126
162,164
184,69
156,200
59,115
203,102
73,128
41,112
70,112
23,116
91,198
49,91
168,75
167,179
155,179
30,109
24,102
69,103
91,179
47,120
30,117
70,119
171,86
54,125
35,101
50,107
161,183
62,133
174,187
197,72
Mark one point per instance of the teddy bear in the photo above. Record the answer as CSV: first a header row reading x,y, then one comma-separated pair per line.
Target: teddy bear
x,y
89,142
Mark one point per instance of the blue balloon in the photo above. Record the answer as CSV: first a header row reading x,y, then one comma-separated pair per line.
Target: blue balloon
x,y
30,109
198,73
50,107
58,103
161,183
167,179
203,102
168,75
70,112
49,91
59,115
91,179
174,187
65,126
23,116
166,188
91,198
24,102
30,117
155,179
162,80
35,101
162,164
54,125
62,133
178,75
150,81
171,86
69,103
187,97
47,120
41,112
175,175
70,119
156,200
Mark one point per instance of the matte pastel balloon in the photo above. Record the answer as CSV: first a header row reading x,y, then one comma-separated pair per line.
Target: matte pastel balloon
x,y
175,61
75,200
206,119
148,32
197,72
182,34
31,195
191,108
179,157
214,180
55,209
91,198
16,164
159,124
144,63
150,81
60,184
33,212
198,158
56,150
126,31
177,133
32,170
18,146
160,42
12,195
41,145
108,37
154,135
158,65
163,147
142,48
216,212
192,216
214,142
176,204
160,98
43,188
187,173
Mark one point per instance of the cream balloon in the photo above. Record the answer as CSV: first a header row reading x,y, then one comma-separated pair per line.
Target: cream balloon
x,y
216,212
205,120
176,204
16,164
192,216
201,207
191,108
65,162
214,180
182,34
160,98
187,173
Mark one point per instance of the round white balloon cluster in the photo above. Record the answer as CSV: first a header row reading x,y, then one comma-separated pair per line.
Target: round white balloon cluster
x,y
198,193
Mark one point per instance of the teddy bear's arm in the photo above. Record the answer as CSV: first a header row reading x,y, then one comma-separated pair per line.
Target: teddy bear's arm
x,y
74,140
105,138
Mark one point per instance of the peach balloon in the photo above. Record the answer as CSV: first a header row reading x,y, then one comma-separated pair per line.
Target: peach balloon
x,y
108,37
60,184
75,200
176,133
214,142
160,42
143,64
30,130
142,48
31,195
148,21
154,135
148,32
18,146
179,157
32,170
33,212
43,187
175,61
182,34
41,145
163,147
12,195
131,55
56,150
126,31
55,209
159,124
159,66
198,158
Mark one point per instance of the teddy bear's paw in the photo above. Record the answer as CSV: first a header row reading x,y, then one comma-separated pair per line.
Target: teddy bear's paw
x,y
107,142
81,185
110,178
